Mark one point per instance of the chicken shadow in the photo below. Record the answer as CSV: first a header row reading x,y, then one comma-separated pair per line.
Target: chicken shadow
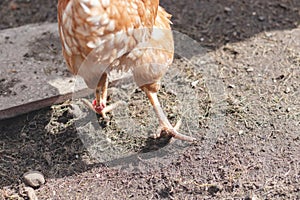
x,y
31,143
25,144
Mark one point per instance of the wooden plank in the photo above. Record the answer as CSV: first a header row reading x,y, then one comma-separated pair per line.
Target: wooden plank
x,y
33,74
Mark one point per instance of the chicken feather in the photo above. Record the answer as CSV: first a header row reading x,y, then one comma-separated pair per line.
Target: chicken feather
x,y
87,22
99,36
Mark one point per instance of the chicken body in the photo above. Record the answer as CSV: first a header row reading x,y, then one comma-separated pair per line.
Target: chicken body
x,y
99,36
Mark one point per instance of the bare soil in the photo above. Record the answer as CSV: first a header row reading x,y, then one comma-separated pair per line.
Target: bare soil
x,y
240,99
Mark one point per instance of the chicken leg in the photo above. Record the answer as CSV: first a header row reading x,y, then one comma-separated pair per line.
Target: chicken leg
x,y
99,103
151,92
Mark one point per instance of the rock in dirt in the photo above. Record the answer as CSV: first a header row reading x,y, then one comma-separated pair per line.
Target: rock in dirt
x,y
34,178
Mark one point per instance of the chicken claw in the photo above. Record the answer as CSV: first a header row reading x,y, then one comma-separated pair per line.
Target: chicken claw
x,y
173,132
102,109
165,126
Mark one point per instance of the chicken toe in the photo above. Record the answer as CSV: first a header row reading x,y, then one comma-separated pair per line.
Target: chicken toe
x,y
104,109
165,126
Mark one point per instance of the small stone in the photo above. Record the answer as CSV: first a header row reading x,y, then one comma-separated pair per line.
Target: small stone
x,y
34,178
23,135
231,86
194,83
261,18
241,132
287,90
269,34
227,9
250,69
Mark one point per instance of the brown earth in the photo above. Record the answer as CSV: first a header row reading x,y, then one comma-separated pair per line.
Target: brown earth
x,y
239,97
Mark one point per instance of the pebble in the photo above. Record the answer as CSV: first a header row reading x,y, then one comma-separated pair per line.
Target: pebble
x,y
250,69
287,90
194,83
227,9
231,86
34,178
261,18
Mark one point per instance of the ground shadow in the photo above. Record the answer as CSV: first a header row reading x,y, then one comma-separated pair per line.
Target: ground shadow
x,y
214,23
211,22
26,145
29,142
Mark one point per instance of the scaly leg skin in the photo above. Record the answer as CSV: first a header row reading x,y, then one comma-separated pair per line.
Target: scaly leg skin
x,y
99,104
151,92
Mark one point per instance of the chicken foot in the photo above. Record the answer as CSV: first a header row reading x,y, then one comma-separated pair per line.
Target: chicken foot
x,y
165,126
99,104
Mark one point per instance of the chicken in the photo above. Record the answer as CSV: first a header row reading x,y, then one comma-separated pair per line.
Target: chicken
x,y
99,36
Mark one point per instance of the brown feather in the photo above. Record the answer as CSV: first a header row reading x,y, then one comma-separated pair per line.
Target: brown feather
x,y
102,35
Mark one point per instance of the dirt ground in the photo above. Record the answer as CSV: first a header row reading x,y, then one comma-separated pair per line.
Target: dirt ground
x,y
240,99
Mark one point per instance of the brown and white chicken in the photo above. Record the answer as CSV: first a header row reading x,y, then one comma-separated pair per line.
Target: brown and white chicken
x,y
99,36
